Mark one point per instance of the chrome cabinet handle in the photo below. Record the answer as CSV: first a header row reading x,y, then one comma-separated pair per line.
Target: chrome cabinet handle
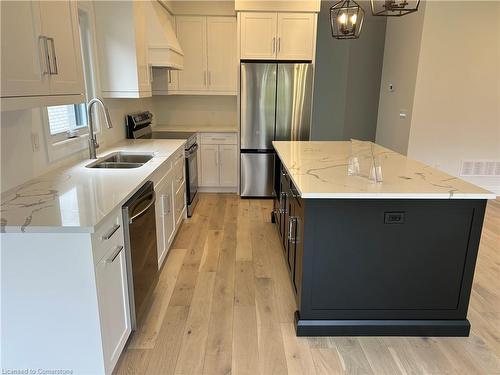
x,y
205,78
292,227
112,231
45,58
115,254
279,44
169,77
274,45
54,57
282,208
218,139
153,196
209,78
150,73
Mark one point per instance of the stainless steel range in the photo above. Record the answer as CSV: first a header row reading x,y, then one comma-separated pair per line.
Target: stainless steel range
x,y
139,127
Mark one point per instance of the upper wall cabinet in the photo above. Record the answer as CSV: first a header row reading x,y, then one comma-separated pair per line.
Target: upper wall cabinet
x,y
210,61
122,49
277,36
40,58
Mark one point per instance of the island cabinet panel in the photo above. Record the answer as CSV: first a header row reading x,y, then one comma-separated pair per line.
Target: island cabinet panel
x,y
379,266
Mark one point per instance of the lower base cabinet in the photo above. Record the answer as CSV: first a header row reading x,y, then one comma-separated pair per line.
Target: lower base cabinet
x,y
114,312
170,204
218,162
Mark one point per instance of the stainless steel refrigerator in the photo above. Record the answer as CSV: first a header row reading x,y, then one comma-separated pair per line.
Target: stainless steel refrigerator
x,y
275,105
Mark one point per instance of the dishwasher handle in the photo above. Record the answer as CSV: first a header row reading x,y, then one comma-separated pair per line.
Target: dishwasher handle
x,y
152,196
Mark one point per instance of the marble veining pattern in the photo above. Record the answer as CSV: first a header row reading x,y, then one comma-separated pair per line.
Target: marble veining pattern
x,y
319,170
77,198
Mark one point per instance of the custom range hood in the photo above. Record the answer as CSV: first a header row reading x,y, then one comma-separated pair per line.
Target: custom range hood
x,y
164,48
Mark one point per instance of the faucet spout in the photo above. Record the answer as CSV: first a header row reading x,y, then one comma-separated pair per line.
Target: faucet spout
x,y
93,145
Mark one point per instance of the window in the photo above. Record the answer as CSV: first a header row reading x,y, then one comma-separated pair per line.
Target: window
x,y
70,121
67,119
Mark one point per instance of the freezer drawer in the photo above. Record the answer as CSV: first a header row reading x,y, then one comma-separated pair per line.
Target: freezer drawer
x,y
257,174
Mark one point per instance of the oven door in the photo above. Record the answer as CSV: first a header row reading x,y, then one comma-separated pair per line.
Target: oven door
x,y
192,176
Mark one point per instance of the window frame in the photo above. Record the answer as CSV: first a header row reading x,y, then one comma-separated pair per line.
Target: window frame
x,y
60,145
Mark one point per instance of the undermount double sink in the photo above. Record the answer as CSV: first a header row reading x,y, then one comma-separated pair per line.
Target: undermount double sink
x,y
121,160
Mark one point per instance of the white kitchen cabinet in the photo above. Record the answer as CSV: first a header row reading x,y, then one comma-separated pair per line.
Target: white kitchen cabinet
x,y
258,35
170,205
164,216
221,49
210,63
228,167
218,161
41,55
114,310
280,36
191,33
209,155
60,23
122,49
295,36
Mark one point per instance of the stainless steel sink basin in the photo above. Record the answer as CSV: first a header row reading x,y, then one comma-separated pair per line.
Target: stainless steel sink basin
x,y
123,160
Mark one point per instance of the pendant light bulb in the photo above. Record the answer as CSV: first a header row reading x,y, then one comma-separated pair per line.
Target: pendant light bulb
x,y
343,18
346,19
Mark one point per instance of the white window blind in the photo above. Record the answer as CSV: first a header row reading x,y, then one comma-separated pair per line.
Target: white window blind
x,y
64,118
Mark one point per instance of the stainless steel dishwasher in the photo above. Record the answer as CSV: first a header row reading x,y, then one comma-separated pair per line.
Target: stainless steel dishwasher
x,y
140,244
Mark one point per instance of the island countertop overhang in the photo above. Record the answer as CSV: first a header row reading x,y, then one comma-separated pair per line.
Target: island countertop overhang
x,y
318,169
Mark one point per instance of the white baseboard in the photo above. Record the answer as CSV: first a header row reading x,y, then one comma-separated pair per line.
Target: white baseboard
x,y
218,189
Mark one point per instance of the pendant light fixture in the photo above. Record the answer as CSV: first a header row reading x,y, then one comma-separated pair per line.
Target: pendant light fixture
x,y
394,8
346,19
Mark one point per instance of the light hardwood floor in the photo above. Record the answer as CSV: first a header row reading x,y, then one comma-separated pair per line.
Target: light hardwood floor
x,y
224,305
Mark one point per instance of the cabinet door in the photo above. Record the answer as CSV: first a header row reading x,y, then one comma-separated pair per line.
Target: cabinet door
x,y
22,60
191,32
258,35
295,36
209,165
112,289
164,216
221,50
60,24
228,167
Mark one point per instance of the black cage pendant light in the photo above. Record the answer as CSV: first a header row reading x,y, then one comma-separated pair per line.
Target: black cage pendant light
x,y
394,8
346,19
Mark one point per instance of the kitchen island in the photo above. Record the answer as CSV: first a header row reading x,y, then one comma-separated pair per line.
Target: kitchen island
x,y
390,258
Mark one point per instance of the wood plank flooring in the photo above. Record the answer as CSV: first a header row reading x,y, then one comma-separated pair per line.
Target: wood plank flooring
x,y
224,305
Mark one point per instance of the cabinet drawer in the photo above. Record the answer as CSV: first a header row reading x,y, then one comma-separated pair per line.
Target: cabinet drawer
x,y
218,139
161,172
178,173
180,203
108,235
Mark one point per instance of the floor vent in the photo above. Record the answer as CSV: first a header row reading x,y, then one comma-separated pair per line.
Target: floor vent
x,y
480,168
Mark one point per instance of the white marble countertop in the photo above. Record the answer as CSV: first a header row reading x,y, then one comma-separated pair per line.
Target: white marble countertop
x,y
319,170
76,198
198,128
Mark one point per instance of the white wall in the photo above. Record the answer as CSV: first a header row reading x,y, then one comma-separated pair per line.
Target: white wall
x,y
447,76
195,110
20,163
456,110
401,53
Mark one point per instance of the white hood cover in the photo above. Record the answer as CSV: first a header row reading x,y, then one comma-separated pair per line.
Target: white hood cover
x,y
164,48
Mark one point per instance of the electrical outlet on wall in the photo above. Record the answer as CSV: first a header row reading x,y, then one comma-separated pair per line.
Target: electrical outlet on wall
x,y
403,114
35,142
